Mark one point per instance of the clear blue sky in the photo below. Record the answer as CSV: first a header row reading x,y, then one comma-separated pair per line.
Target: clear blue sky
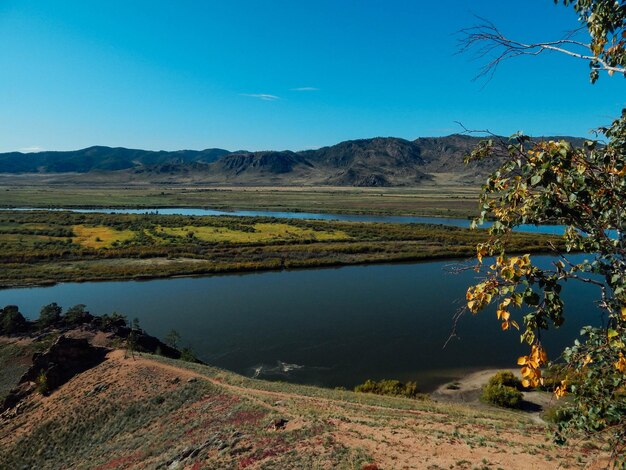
x,y
194,74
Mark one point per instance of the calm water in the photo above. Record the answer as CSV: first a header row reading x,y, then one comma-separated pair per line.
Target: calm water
x,y
330,327
455,222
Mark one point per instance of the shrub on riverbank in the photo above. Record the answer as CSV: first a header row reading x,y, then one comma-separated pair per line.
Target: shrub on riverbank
x,y
389,387
502,390
506,378
11,320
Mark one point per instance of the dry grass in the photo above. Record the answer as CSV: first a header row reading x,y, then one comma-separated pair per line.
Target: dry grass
x,y
150,412
446,198
263,232
100,236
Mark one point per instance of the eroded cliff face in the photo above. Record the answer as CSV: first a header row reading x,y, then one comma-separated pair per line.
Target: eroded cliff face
x,y
76,349
66,358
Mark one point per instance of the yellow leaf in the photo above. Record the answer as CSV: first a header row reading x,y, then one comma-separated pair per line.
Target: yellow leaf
x,y
561,390
503,315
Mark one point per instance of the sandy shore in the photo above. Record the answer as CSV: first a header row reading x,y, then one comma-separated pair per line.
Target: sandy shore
x,y
468,389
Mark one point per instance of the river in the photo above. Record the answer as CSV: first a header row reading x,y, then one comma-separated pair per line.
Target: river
x,y
329,327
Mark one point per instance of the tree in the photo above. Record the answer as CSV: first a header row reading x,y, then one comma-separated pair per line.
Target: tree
x,y
12,321
585,190
131,340
172,339
606,52
49,315
76,314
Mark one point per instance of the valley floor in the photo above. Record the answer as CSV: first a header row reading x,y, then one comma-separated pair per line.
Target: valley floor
x,y
151,412
444,198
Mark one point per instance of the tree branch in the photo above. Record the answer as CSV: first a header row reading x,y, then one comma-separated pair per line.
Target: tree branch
x,y
487,40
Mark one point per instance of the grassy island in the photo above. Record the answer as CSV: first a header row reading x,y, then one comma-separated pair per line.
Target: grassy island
x,y
41,247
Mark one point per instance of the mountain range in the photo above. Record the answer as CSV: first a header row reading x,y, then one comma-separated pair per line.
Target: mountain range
x,y
380,161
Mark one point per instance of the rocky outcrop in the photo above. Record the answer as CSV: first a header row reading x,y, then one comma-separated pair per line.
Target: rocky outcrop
x,y
261,162
65,358
73,351
143,342
16,395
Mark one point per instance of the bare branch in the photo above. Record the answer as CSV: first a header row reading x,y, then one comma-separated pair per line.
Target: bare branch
x,y
487,41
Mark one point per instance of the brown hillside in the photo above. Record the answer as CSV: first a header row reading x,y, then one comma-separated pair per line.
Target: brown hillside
x,y
151,412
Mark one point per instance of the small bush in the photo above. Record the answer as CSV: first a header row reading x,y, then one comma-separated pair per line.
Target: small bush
x,y
50,315
12,321
41,383
506,378
503,390
502,395
76,315
389,387
187,355
558,414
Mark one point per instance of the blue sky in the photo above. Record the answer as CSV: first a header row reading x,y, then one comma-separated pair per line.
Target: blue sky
x,y
286,74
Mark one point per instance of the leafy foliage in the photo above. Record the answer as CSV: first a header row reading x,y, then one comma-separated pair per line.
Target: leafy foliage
x,y
506,378
11,320
501,390
114,319
76,314
41,383
389,387
172,338
187,355
49,315
605,20
584,189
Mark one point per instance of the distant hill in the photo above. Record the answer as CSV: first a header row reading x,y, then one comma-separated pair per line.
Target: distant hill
x,y
100,158
380,161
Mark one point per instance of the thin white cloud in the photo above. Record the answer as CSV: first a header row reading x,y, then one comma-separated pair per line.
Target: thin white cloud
x,y
30,149
305,88
261,96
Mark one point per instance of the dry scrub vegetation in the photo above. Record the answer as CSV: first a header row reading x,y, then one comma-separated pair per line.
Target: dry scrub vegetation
x,y
151,412
39,247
